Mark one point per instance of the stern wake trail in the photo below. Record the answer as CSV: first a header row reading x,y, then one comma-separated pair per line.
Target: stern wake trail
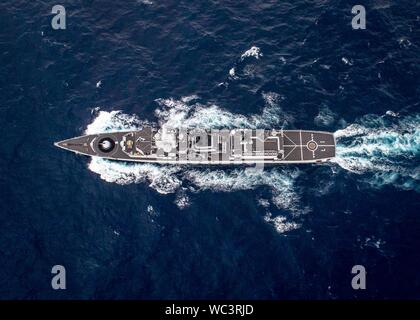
x,y
384,149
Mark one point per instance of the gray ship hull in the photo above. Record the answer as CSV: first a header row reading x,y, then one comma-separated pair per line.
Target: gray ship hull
x,y
196,146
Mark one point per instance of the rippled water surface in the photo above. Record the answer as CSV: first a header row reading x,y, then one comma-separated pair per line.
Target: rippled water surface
x,y
145,231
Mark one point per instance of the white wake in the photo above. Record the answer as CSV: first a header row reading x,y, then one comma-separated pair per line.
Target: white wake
x,y
384,149
186,180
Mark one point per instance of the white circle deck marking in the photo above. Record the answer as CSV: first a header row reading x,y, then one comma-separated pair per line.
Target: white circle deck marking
x,y
312,145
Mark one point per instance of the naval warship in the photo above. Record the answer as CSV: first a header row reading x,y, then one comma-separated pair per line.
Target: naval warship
x,y
199,146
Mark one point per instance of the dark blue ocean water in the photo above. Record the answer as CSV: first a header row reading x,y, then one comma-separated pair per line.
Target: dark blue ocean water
x,y
151,232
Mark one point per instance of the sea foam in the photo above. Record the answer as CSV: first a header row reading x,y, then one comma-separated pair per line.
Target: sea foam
x,y
385,149
187,112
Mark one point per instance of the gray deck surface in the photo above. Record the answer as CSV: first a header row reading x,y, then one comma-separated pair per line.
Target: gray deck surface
x,y
293,145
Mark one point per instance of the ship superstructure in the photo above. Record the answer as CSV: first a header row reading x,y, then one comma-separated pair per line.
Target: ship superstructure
x,y
200,146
